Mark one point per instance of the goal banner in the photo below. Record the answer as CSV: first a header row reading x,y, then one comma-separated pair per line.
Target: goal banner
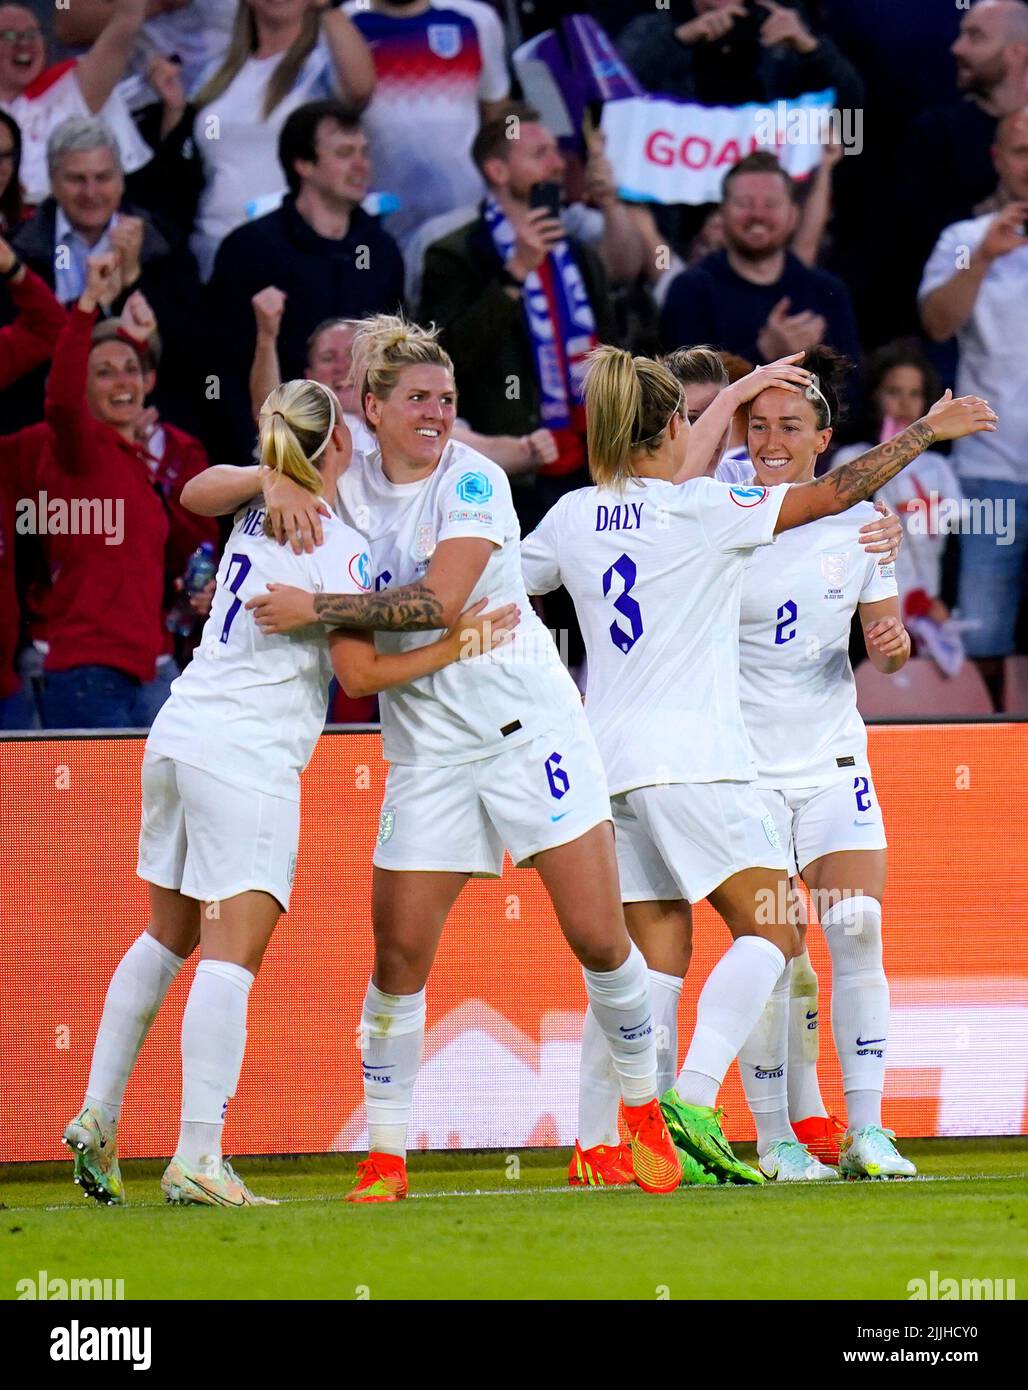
x,y
506,999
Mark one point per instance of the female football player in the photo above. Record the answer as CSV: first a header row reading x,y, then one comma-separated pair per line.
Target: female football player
x,y
655,561
799,704
221,813
495,755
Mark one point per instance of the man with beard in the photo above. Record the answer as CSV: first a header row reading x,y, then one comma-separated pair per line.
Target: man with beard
x,y
945,167
755,298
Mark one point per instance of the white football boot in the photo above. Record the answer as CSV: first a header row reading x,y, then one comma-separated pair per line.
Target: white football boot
x,y
791,1161
871,1153
212,1184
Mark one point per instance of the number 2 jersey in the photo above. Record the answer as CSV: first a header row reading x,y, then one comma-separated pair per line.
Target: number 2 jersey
x,y
798,694
476,708
249,707
656,575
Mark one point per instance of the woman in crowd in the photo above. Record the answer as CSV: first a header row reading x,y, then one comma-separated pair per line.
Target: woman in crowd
x,y
491,756
927,496
12,207
221,807
283,53
666,555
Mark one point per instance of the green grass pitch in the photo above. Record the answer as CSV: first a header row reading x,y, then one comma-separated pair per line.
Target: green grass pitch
x,y
484,1226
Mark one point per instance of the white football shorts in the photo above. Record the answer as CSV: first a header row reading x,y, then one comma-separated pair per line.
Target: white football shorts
x,y
684,839
841,814
460,818
210,840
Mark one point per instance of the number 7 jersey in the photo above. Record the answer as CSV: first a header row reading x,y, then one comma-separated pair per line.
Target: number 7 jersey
x,y
249,708
656,576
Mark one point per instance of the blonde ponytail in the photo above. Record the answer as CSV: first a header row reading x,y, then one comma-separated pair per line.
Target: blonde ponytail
x,y
295,425
386,343
629,402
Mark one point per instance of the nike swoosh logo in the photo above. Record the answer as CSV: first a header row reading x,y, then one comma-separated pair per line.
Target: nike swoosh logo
x,y
867,1042
561,816
813,1015
863,822
221,1201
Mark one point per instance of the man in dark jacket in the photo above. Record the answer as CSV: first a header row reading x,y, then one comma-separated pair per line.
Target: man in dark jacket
x,y
520,305
489,282
328,256
755,298
86,215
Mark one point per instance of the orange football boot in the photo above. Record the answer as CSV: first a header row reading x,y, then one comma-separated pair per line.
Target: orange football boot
x,y
655,1160
821,1134
604,1165
380,1178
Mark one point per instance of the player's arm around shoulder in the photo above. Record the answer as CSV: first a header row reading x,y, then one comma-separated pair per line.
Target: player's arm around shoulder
x,y
886,640
221,489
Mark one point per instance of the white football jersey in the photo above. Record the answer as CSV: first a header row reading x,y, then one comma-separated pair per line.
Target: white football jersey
x,y
249,708
656,576
735,466
798,693
471,709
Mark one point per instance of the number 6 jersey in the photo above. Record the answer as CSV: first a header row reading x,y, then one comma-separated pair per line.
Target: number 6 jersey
x,y
249,708
656,575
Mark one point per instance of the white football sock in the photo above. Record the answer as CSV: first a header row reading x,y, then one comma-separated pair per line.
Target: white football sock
x,y
136,992
730,1003
598,1089
762,1066
392,1036
665,992
860,1004
213,1044
620,999
804,1042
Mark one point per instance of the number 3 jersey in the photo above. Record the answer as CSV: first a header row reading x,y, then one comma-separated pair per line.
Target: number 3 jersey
x,y
798,693
249,708
471,709
656,575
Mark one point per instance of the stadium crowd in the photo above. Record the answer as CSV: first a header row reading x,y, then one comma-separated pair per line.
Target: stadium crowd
x,y
199,197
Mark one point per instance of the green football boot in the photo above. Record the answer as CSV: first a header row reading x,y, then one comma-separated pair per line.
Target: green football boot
x,y
95,1146
697,1130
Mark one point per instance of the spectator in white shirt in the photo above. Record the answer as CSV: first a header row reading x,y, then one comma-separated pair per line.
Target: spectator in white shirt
x,y
283,53
975,286
40,97
441,67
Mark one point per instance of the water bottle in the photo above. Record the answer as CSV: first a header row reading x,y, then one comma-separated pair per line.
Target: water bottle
x,y
201,568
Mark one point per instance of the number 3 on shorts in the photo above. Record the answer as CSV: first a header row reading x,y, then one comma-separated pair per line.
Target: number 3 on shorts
x,y
556,776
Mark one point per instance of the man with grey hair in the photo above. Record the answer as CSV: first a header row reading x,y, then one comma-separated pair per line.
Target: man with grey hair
x,y
87,214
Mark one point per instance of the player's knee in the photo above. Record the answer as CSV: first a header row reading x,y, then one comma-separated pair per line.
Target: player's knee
x,y
853,931
400,967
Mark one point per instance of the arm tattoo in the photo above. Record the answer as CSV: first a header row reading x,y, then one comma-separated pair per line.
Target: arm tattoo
x,y
862,478
408,608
